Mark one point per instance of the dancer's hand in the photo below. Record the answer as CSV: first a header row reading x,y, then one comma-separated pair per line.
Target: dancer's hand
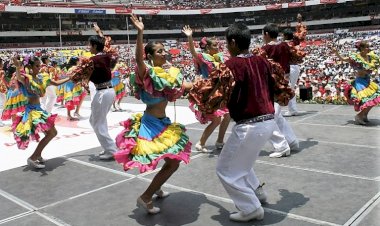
x,y
16,62
187,30
137,22
96,28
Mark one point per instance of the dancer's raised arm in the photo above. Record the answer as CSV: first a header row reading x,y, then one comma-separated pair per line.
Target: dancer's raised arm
x,y
189,33
139,25
345,59
98,30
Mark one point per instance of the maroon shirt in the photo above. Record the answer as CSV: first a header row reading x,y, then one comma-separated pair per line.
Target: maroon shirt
x,y
253,94
280,53
102,68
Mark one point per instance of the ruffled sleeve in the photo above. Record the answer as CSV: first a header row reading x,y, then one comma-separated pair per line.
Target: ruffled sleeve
x,y
37,87
3,84
282,91
108,49
159,82
82,73
213,93
296,54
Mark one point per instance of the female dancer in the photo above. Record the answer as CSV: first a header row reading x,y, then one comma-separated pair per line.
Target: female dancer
x,y
118,74
206,62
364,93
15,101
74,94
151,136
34,119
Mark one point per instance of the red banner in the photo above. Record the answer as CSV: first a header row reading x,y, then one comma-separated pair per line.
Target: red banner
x,y
328,1
153,11
273,7
2,7
123,11
296,4
204,11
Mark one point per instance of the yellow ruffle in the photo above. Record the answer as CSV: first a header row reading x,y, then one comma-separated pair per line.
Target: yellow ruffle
x,y
16,99
367,92
39,86
24,128
167,139
137,121
170,76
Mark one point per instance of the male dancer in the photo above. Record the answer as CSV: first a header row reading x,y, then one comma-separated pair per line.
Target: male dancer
x,y
251,107
105,94
280,53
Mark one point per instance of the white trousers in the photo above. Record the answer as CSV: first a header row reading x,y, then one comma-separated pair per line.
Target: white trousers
x,y
49,99
235,162
285,135
2,100
293,78
100,106
92,88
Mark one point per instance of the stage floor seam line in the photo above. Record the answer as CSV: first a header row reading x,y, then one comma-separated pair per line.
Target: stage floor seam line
x,y
227,200
364,211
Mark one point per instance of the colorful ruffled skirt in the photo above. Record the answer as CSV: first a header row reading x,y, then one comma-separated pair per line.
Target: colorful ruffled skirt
x,y
364,93
60,91
205,118
119,87
73,94
15,103
29,123
146,140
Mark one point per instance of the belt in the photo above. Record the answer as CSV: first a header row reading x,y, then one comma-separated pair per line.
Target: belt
x,y
104,85
260,118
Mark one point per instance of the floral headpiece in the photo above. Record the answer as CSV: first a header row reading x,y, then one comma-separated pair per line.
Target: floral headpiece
x,y
203,42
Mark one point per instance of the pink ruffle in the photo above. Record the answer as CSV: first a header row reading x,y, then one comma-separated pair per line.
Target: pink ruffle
x,y
59,99
70,105
120,95
205,118
40,127
367,104
7,114
122,157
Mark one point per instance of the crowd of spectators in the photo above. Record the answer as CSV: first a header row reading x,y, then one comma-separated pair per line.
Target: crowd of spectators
x,y
162,4
321,71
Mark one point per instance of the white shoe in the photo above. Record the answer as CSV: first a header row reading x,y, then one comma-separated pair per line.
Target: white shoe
x,y
162,194
219,145
280,154
202,148
141,203
294,145
41,160
35,164
106,156
258,214
290,113
261,194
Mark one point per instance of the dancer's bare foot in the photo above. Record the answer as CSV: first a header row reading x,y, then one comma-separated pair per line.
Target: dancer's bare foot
x,y
70,118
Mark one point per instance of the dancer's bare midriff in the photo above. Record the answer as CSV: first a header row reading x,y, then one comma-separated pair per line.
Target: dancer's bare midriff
x,y
157,110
